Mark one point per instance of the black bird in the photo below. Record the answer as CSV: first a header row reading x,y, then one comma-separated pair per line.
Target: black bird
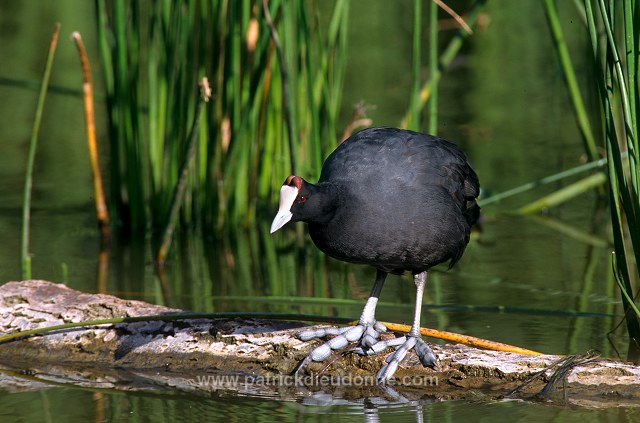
x,y
394,199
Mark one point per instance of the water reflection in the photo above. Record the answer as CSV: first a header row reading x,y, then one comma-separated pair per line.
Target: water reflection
x,y
72,404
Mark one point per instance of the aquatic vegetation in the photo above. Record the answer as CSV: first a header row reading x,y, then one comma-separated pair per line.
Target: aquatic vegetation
x,y
613,29
275,100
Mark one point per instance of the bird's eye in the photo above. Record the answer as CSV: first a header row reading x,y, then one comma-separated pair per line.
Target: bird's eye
x,y
302,199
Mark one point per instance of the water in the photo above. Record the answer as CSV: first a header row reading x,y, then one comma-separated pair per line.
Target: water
x,y
542,283
120,407
63,404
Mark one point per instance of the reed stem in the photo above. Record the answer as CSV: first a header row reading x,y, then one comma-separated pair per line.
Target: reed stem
x,y
432,126
179,192
445,60
571,80
284,79
33,144
414,123
87,87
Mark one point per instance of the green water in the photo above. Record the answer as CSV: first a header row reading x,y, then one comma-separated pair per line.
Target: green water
x,y
521,281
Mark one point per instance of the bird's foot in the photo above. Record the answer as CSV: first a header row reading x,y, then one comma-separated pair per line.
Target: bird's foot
x,y
403,344
367,333
370,344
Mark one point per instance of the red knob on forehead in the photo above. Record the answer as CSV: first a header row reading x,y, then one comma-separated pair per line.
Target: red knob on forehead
x,y
293,180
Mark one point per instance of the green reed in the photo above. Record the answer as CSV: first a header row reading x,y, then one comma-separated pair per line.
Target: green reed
x,y
432,124
25,256
153,54
612,28
437,64
414,106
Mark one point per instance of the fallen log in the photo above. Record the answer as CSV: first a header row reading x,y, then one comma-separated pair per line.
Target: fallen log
x,y
248,355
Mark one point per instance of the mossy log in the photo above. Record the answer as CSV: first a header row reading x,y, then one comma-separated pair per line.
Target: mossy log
x,y
258,356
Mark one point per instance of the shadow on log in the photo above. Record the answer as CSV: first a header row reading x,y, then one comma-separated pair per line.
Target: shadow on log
x,y
254,356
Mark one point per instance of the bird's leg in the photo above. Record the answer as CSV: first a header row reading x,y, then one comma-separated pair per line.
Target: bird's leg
x,y
367,330
412,340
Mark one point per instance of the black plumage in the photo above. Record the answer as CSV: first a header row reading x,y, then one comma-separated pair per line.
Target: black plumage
x,y
394,199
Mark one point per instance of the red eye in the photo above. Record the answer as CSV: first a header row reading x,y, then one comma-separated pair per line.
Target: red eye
x,y
302,199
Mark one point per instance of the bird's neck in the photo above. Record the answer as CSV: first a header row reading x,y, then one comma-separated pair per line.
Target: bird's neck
x,y
327,199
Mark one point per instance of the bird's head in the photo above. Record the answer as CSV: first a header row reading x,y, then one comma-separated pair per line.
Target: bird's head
x,y
293,196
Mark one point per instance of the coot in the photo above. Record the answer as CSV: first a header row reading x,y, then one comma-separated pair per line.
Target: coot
x,y
394,199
